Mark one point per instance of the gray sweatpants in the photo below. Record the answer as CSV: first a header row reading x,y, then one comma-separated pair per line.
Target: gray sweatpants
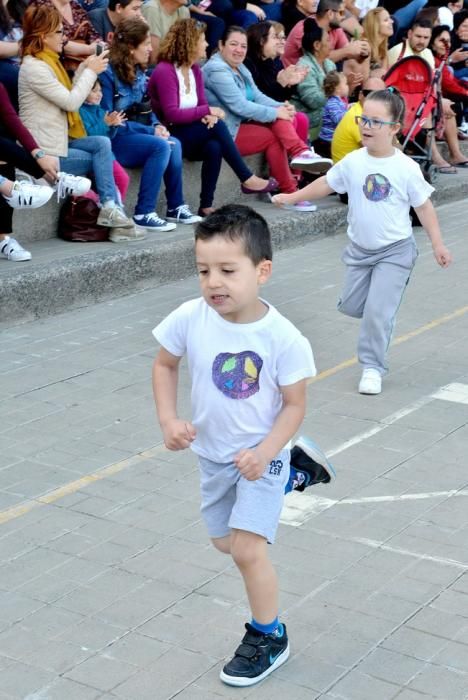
x,y
373,288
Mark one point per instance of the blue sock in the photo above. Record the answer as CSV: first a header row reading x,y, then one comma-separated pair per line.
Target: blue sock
x,y
266,629
291,481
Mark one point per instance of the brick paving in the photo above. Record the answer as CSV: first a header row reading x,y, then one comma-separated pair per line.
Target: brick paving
x,y
108,585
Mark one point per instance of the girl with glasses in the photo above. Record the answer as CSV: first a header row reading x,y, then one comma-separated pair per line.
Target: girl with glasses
x,y
382,184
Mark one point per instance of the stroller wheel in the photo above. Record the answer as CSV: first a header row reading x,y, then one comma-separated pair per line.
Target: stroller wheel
x,y
430,173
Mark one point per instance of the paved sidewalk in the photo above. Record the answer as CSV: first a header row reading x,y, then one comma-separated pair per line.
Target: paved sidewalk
x,y
108,586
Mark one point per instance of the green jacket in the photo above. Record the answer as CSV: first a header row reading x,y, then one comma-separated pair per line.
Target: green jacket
x,y
309,96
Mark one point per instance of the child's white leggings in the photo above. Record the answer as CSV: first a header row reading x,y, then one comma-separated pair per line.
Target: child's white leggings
x,y
373,288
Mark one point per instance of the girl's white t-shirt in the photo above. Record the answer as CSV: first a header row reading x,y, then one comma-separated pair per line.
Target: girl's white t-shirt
x,y
237,370
380,194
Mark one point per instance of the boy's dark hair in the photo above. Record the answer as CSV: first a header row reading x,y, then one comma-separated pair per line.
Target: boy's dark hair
x,y
237,222
331,82
392,100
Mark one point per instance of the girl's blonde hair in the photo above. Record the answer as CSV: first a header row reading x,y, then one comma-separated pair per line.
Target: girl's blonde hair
x,y
378,43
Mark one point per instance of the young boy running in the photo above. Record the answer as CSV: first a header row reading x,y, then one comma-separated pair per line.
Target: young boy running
x,y
248,367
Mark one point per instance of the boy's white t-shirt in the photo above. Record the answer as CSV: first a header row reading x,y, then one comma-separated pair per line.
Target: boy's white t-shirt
x,y
380,193
236,372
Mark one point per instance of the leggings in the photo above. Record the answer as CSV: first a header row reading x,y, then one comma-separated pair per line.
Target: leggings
x,y
15,157
210,146
277,140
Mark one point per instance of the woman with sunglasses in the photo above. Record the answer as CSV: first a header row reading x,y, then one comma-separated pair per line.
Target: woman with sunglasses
x,y
382,184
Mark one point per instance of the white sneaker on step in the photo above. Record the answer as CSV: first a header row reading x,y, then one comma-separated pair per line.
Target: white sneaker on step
x,y
311,162
13,251
371,381
301,206
71,185
25,195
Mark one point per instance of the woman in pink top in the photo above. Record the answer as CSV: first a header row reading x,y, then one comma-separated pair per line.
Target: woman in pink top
x,y
178,98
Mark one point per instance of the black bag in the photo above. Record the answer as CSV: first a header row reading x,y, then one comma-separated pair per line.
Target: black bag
x,y
78,221
139,112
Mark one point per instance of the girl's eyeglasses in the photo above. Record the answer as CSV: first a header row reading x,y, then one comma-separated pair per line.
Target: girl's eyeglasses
x,y
371,123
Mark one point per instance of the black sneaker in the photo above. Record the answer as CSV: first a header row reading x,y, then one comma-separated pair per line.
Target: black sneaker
x,y
308,459
256,657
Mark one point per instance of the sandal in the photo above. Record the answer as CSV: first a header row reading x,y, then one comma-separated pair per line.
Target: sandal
x,y
446,169
464,164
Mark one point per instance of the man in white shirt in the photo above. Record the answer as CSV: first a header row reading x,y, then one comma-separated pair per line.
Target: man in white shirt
x,y
416,44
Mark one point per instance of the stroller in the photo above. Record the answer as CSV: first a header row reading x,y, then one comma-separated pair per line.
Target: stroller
x,y
419,87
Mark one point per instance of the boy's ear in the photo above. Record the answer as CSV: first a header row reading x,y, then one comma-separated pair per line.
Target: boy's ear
x,y
264,269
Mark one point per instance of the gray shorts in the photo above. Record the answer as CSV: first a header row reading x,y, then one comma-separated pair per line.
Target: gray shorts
x,y
228,500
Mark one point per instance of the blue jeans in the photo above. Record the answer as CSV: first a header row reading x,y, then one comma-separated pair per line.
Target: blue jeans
x,y
158,157
92,155
211,146
272,10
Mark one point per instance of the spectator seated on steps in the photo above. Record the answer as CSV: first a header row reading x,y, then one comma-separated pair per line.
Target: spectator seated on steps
x,y
143,145
178,98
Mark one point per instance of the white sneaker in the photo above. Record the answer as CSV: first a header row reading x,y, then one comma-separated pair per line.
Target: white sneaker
x,y
119,235
13,251
71,185
371,381
301,206
114,217
25,195
309,160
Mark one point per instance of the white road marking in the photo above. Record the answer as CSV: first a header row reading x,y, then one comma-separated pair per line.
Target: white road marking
x,y
458,393
375,544
300,507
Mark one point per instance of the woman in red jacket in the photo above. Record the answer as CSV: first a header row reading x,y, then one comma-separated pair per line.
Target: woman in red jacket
x,y
32,160
178,98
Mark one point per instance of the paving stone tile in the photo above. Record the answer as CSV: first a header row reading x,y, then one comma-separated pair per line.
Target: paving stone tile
x,y
443,682
437,622
101,672
62,688
137,649
359,686
169,675
390,666
454,656
415,643
20,680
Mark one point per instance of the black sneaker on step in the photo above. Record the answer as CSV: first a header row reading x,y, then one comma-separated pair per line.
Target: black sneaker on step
x,y
256,657
308,458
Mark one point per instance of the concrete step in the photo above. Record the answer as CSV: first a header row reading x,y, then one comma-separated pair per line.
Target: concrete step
x,y
65,275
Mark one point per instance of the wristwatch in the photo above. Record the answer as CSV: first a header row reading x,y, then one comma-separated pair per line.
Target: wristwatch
x,y
39,154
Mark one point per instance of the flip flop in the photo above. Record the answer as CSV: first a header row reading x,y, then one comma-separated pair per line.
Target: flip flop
x,y
461,165
447,169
